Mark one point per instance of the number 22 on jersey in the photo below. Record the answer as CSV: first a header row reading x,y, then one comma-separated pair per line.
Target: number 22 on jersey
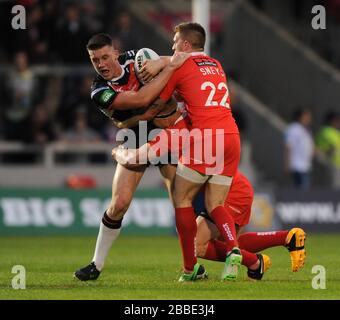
x,y
211,102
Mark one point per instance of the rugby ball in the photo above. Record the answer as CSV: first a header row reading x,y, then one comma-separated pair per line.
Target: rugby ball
x,y
141,56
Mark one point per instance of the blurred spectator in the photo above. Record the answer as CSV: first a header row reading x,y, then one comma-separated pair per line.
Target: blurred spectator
x,y
76,96
124,31
72,37
328,138
40,128
20,91
80,132
217,31
90,16
96,119
6,30
111,7
38,28
299,148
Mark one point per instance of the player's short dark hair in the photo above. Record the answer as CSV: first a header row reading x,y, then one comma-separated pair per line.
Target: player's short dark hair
x,y
98,41
193,32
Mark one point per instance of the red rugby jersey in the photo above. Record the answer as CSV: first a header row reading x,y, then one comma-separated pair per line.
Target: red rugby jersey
x,y
202,84
241,191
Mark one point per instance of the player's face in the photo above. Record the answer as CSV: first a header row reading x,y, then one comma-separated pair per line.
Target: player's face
x,y
179,43
104,61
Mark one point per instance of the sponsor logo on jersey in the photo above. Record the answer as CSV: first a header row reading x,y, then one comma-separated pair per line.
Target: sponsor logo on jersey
x,y
106,96
204,62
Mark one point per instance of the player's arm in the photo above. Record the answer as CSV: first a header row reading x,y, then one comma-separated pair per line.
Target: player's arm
x,y
147,94
149,114
131,158
108,100
151,68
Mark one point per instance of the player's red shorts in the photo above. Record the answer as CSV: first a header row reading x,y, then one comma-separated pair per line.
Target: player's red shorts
x,y
241,193
208,152
240,199
220,156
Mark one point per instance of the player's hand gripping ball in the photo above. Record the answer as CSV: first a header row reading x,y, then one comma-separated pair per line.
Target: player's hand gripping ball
x,y
141,57
169,114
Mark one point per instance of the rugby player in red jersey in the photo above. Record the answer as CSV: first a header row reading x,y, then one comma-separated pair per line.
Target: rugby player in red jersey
x,y
201,83
187,38
209,244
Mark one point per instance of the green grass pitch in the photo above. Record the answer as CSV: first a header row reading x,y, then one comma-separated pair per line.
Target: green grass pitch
x,y
148,268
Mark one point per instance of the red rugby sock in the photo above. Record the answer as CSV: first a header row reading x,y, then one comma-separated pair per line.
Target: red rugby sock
x,y
258,241
225,225
217,251
187,229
